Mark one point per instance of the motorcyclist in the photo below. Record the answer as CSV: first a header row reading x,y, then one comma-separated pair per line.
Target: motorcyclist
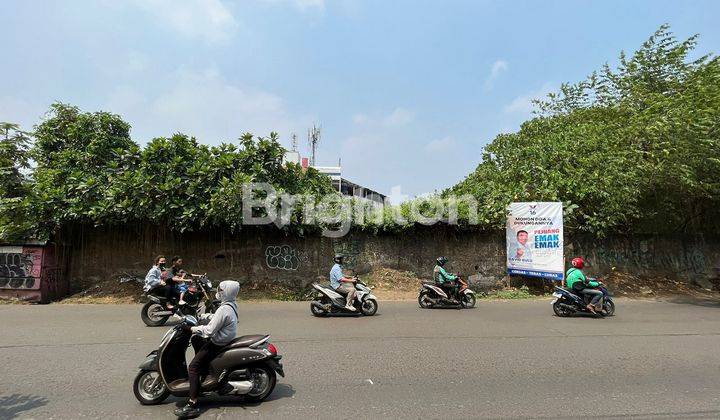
x,y
341,284
576,281
445,280
178,279
154,280
173,277
209,342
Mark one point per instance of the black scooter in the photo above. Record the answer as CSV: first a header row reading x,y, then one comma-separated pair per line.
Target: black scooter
x,y
567,303
246,367
199,297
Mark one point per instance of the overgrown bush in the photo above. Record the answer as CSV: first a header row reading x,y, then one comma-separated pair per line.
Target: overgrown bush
x,y
631,149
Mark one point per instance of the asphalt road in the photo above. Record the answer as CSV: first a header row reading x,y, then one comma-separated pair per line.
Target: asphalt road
x,y
500,360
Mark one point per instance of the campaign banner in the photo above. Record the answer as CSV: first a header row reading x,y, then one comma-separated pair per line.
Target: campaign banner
x,y
535,240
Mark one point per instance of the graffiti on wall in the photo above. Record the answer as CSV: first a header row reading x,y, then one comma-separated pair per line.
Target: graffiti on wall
x,y
350,248
17,270
284,257
645,256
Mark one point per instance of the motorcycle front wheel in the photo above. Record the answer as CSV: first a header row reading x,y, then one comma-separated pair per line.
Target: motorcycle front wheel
x,y
149,317
609,308
209,307
149,388
468,300
369,307
424,300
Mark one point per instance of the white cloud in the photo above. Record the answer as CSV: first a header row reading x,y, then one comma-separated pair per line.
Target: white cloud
x,y
302,5
400,116
498,67
360,118
203,19
440,145
523,104
136,62
207,106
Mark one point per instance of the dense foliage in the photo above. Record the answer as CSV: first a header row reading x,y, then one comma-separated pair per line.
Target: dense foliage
x,y
88,170
636,148
14,185
631,149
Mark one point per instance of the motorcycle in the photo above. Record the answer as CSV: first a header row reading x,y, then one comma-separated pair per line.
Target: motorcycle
x,y
432,296
199,299
328,301
567,303
246,367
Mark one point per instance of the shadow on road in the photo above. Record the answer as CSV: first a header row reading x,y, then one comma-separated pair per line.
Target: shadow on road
x,y
281,391
12,405
694,300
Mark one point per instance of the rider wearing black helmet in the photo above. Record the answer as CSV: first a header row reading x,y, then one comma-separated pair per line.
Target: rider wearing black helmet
x,y
442,278
341,284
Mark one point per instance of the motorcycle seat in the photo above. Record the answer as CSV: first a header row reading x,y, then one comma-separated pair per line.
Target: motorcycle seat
x,y
157,291
570,292
244,341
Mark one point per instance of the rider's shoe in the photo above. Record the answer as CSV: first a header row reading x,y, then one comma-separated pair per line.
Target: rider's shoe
x,y
350,307
189,411
182,302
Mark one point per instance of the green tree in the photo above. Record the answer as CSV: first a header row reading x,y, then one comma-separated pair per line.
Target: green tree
x,y
14,160
15,220
89,171
629,149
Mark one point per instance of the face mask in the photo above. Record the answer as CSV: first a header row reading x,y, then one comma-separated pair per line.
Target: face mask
x,y
161,266
218,294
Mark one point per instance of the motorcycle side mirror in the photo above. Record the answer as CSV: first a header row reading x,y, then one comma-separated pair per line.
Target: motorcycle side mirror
x,y
190,320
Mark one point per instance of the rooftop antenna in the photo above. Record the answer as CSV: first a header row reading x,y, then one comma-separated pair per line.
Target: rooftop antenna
x,y
313,140
294,142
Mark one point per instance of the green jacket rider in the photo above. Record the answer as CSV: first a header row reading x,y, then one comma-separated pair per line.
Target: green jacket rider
x,y
576,281
445,280
441,276
575,275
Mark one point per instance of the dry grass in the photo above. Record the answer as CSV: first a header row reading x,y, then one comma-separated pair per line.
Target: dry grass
x,y
110,291
13,301
392,284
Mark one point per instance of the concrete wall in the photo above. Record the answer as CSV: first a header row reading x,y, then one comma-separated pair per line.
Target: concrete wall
x,y
268,255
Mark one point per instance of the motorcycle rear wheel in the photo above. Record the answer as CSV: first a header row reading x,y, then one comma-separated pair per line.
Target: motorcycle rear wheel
x,y
316,311
146,313
264,380
148,396
559,310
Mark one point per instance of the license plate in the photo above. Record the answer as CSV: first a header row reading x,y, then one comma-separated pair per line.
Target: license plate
x,y
557,295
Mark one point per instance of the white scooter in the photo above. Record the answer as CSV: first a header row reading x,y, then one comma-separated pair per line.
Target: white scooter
x,y
328,301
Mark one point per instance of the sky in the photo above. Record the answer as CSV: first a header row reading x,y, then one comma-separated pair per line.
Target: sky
x,y
407,93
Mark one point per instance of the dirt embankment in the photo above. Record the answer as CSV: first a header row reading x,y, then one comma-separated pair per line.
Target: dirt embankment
x,y
390,284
